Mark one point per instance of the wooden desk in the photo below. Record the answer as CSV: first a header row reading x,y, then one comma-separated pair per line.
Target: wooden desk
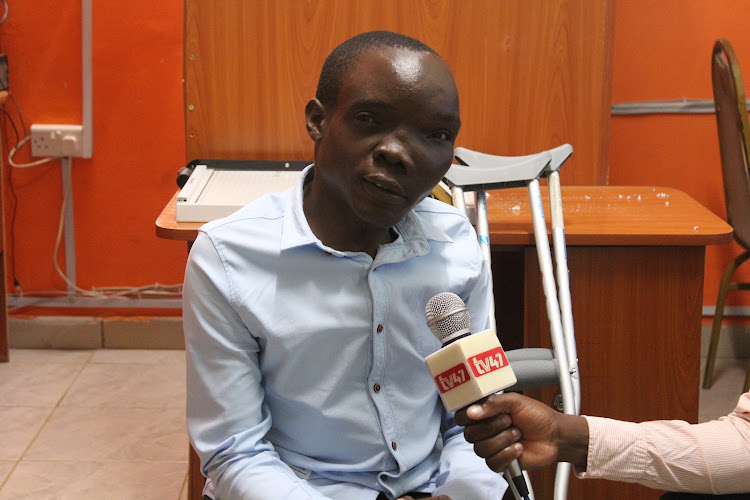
x,y
168,228
636,260
636,257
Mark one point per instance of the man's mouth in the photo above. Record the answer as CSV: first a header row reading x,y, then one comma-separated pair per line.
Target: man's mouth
x,y
386,185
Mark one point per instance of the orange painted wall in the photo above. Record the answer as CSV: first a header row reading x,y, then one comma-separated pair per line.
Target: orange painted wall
x,y
138,140
662,51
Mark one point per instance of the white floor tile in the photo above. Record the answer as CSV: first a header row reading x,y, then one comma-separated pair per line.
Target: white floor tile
x,y
144,356
129,385
20,425
83,480
32,383
77,356
5,468
100,434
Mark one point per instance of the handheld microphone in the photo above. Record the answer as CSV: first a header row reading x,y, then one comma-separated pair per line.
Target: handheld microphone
x,y
467,367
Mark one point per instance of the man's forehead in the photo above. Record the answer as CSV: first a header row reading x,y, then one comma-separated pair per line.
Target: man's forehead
x,y
399,70
408,65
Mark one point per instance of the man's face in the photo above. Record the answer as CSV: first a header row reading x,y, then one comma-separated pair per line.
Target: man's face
x,y
389,139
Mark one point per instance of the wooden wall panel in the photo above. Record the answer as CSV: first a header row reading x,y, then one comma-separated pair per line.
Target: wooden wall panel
x,y
532,74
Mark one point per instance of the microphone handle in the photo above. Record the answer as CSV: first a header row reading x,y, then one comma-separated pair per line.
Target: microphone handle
x,y
516,474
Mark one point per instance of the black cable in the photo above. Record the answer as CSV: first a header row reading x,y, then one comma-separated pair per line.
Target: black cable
x,y
14,203
20,115
12,123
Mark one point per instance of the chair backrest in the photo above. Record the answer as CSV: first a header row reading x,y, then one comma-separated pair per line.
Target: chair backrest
x,y
734,137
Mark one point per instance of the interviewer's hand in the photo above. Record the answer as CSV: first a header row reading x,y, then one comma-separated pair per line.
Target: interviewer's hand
x,y
505,427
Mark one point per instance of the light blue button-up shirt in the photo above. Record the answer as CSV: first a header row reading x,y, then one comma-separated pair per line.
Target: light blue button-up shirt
x,y
305,365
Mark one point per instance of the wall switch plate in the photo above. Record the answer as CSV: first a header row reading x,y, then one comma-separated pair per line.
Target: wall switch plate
x,y
56,140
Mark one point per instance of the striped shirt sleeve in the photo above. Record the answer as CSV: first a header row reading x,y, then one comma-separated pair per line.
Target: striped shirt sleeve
x,y
713,457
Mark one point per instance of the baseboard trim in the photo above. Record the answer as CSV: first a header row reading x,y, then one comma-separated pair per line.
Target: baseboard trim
x,y
95,302
733,311
86,332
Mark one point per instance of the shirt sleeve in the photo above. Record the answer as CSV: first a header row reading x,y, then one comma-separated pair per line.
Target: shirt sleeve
x,y
226,418
713,457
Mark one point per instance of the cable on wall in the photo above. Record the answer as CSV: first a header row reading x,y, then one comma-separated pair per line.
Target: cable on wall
x,y
74,291
5,96
157,289
8,118
143,291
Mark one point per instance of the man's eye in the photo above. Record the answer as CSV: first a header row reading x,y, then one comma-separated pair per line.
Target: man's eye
x,y
442,136
365,118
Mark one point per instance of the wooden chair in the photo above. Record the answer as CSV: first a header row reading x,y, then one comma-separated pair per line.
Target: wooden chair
x,y
734,138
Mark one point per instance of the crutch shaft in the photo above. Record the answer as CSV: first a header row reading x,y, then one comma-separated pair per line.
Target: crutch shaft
x,y
563,283
550,294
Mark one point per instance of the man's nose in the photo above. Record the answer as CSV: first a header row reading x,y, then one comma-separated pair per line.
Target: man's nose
x,y
394,149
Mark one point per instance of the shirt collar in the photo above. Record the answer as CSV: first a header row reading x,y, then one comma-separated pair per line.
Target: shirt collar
x,y
414,229
295,230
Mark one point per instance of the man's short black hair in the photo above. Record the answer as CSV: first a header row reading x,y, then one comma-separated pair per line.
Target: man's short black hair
x,y
340,59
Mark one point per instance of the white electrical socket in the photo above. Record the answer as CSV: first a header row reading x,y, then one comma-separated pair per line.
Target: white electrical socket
x,y
56,140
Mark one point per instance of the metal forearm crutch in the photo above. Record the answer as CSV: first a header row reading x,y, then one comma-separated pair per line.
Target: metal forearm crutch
x,y
559,156
534,367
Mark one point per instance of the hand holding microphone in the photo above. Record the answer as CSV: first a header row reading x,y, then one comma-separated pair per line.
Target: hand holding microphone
x,y
497,423
468,367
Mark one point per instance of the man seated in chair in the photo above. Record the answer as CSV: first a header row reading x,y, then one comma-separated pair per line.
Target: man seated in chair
x,y
304,311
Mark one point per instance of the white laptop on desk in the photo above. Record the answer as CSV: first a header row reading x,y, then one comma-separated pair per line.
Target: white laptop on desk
x,y
217,188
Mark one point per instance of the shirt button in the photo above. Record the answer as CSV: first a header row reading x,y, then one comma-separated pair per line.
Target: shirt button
x,y
383,477
394,445
376,388
380,328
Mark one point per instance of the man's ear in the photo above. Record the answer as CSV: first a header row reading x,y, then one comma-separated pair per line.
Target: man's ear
x,y
315,119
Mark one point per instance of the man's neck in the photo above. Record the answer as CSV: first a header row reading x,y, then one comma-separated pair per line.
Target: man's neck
x,y
338,229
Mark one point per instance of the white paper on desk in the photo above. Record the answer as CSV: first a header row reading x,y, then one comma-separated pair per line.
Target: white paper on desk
x,y
230,187
227,190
